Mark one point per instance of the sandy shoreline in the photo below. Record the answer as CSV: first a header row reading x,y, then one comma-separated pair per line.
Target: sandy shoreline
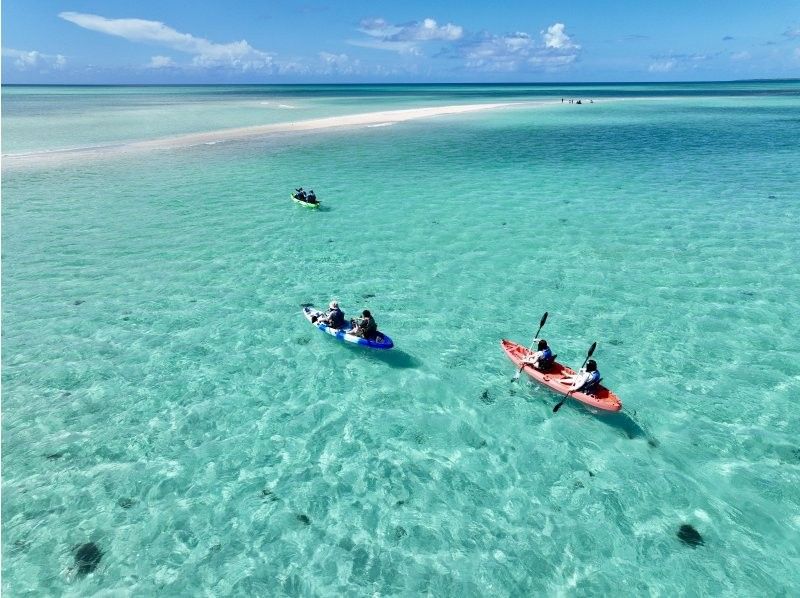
x,y
368,119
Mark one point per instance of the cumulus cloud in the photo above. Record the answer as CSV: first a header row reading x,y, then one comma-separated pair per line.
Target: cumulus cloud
x,y
236,55
161,62
338,63
406,38
519,51
25,60
556,38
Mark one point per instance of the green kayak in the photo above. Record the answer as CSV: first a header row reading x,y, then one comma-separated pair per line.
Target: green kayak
x,y
307,204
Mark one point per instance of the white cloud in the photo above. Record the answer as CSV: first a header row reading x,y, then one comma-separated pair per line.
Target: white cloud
x,y
556,38
405,39
670,62
236,55
378,28
663,66
741,56
333,59
161,62
498,52
517,51
25,60
381,44
338,63
429,30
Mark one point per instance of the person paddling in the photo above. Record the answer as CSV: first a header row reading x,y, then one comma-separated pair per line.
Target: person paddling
x,y
300,194
542,358
312,197
365,327
334,317
586,380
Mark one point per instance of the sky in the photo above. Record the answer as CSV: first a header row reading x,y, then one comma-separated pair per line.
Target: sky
x,y
325,41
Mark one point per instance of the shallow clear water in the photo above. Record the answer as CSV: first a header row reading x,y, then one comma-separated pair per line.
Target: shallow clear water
x,y
164,398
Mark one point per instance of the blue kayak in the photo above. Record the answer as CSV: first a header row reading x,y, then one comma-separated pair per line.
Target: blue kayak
x,y
381,341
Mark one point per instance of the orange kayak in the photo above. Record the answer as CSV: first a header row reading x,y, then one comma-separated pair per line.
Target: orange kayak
x,y
602,398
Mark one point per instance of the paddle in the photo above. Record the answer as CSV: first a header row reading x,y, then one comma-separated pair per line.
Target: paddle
x,y
535,336
588,355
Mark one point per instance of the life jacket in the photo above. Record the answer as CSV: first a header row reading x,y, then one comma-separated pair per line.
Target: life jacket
x,y
592,382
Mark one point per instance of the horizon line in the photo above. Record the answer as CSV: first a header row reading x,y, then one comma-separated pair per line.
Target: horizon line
x,y
430,84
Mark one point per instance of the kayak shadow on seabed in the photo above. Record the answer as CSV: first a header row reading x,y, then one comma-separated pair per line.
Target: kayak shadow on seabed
x,y
622,421
396,358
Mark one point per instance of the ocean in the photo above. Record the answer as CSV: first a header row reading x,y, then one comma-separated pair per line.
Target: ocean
x,y
172,425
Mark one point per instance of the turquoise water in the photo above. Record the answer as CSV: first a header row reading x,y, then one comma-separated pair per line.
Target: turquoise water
x,y
164,398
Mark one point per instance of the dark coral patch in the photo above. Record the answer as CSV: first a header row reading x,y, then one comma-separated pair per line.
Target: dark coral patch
x,y
690,536
87,557
303,519
126,503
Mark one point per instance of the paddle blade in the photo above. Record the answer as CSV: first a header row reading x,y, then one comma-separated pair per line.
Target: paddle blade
x,y
544,319
557,407
591,350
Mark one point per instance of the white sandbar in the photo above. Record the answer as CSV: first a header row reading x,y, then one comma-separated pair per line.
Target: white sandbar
x,y
53,158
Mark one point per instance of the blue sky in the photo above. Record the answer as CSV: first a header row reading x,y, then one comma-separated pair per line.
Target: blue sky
x,y
284,41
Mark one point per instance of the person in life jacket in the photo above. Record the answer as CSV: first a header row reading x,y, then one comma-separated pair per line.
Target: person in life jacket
x,y
334,317
542,358
311,197
300,194
585,380
365,327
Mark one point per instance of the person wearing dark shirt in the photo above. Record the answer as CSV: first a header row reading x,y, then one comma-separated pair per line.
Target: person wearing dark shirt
x,y
365,327
334,317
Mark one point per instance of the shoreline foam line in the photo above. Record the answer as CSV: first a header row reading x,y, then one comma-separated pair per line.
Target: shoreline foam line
x,y
55,157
